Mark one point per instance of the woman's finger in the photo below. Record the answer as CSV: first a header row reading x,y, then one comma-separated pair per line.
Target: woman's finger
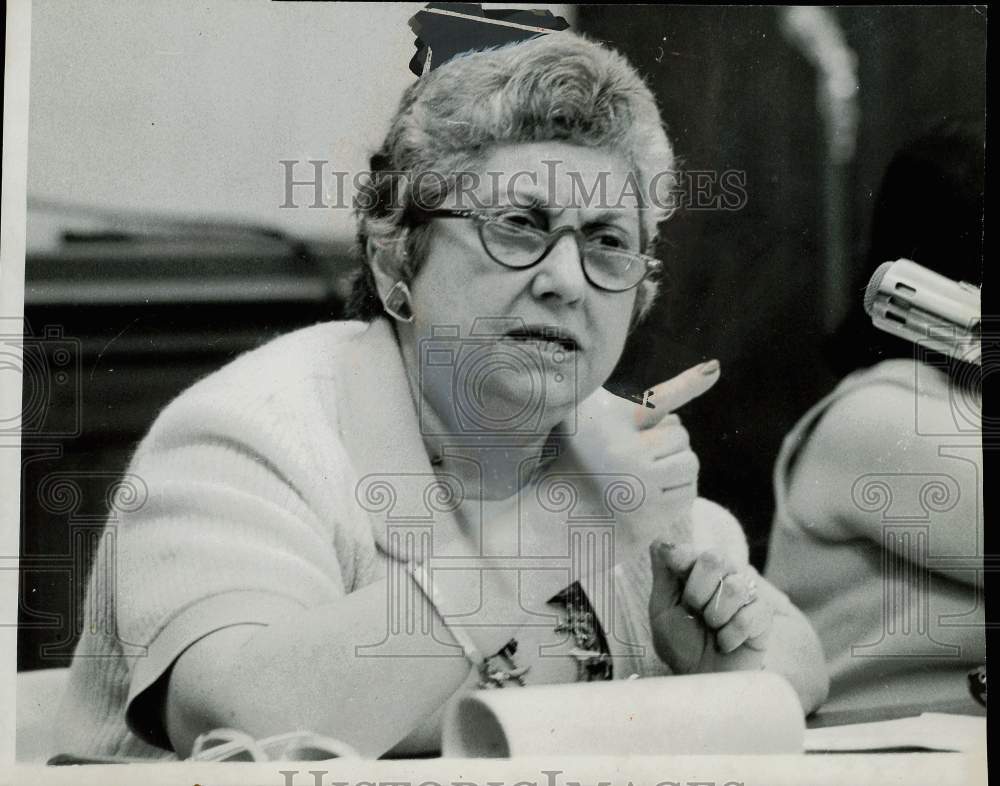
x,y
751,625
675,393
677,558
705,578
679,637
668,584
665,438
735,592
676,470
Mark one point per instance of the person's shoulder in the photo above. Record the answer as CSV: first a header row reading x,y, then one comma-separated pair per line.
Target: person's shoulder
x,y
901,372
273,381
923,378
857,397
283,362
291,356
884,397
895,416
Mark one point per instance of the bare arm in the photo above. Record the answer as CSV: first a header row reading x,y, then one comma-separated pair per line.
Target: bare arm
x,y
305,673
872,432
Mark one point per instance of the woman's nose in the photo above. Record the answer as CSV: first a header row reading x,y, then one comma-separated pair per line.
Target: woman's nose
x,y
560,274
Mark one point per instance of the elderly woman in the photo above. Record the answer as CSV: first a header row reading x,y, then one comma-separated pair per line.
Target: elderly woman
x,y
349,525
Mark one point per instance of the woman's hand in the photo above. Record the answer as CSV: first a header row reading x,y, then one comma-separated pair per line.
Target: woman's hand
x,y
648,444
704,614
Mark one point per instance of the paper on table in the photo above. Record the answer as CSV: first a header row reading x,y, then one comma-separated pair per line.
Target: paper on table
x,y
934,731
707,714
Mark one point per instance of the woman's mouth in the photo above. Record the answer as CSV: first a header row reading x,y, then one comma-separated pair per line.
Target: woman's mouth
x,y
552,338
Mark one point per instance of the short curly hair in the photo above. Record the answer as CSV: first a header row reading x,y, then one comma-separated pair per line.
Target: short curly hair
x,y
558,87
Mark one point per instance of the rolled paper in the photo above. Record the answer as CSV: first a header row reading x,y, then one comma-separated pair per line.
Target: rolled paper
x,y
704,714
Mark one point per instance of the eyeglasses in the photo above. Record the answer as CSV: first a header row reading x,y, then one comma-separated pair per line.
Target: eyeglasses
x,y
518,245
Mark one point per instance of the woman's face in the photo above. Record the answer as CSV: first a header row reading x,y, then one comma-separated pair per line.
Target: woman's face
x,y
515,350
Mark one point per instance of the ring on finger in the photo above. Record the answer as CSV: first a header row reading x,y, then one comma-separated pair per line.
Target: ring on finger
x,y
718,590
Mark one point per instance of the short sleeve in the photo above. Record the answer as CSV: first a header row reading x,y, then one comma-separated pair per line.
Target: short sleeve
x,y
230,533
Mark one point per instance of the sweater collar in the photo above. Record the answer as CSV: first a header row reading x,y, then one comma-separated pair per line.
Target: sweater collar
x,y
396,487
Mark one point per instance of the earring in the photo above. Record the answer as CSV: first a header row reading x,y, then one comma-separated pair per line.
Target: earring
x,y
398,302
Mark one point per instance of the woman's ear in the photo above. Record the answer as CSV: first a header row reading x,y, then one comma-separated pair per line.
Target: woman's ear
x,y
381,263
386,261
385,264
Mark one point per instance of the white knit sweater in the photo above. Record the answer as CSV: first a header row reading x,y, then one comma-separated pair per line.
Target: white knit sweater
x,y
247,508
895,631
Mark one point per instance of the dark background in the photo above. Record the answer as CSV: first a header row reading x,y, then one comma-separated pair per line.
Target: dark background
x,y
143,315
744,286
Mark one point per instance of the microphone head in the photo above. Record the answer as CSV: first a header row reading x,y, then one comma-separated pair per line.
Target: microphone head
x,y
874,284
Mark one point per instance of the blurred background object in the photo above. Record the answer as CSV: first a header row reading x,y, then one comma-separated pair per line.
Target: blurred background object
x,y
818,35
158,248
123,311
748,286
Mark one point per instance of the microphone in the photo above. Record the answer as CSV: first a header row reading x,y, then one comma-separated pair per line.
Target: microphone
x,y
912,302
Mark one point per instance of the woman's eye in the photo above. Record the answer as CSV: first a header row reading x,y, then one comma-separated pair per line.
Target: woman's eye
x,y
518,220
609,239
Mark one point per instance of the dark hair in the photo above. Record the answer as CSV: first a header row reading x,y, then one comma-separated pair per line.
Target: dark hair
x,y
929,209
930,203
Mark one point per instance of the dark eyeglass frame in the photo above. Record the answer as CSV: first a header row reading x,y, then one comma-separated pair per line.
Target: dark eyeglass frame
x,y
652,264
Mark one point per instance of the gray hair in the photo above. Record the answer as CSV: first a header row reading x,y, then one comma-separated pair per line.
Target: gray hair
x,y
561,86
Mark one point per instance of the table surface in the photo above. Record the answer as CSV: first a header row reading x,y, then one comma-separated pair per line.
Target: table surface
x,y
834,715
830,715
940,769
